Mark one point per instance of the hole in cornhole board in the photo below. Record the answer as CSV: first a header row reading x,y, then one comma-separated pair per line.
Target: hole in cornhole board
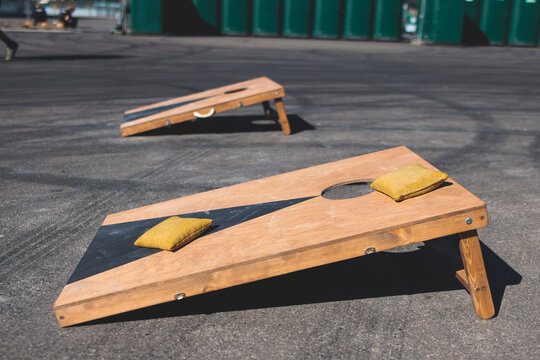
x,y
347,190
235,91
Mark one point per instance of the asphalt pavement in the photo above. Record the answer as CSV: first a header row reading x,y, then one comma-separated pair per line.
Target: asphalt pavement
x,y
473,112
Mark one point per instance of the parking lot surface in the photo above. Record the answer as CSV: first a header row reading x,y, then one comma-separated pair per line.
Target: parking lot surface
x,y
473,112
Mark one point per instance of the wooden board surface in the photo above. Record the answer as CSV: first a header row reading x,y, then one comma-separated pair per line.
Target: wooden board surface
x,y
216,100
311,232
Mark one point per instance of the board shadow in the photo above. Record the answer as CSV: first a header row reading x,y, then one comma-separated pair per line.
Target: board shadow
x,y
378,275
230,124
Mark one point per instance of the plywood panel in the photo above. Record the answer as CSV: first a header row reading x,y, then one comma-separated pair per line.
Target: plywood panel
x,y
212,101
311,232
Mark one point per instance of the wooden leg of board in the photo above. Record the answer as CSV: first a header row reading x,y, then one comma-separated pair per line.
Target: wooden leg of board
x,y
475,274
283,121
267,109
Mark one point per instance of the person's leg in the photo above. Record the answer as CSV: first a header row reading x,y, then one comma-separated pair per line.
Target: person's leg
x,y
11,45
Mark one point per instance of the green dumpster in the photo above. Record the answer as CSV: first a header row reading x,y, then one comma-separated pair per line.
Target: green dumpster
x,y
494,20
358,19
472,10
297,18
327,20
266,17
524,23
146,16
209,19
441,21
472,34
235,17
387,20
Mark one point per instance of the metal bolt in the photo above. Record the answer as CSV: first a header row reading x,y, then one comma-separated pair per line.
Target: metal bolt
x,y
370,250
484,288
277,93
179,296
168,123
468,221
240,104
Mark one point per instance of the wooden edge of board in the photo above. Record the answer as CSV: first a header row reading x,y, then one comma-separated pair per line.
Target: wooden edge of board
x,y
258,82
114,303
164,120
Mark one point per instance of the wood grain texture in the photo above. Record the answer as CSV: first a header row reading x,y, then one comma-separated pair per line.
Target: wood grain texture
x,y
311,233
283,120
461,276
477,281
220,99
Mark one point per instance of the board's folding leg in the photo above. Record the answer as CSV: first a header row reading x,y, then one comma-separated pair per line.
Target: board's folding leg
x,y
282,119
474,276
267,109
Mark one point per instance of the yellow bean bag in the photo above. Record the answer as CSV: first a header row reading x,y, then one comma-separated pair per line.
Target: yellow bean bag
x,y
408,182
173,233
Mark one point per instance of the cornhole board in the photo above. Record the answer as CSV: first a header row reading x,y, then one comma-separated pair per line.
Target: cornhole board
x,y
207,103
268,227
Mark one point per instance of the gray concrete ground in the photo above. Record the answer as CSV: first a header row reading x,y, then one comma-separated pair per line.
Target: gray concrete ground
x,y
472,112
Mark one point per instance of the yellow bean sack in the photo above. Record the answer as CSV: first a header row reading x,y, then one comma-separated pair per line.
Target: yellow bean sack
x,y
173,233
408,182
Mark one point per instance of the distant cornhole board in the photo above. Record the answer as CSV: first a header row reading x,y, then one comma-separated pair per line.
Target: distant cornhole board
x,y
269,227
207,103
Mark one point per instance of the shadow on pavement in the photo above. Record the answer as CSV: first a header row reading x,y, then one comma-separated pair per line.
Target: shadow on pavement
x,y
70,57
378,275
231,124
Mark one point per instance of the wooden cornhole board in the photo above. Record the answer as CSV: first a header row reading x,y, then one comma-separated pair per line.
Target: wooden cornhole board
x,y
268,227
207,103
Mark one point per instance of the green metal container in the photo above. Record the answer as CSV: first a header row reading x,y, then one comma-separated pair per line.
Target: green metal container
x,y
387,20
327,20
297,18
358,19
524,23
235,17
472,35
495,19
267,16
538,36
441,21
208,11
472,10
146,16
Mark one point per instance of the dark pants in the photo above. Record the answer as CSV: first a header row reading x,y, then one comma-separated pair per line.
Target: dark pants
x,y
9,43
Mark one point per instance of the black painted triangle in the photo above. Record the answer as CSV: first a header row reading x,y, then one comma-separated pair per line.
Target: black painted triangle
x,y
156,110
113,244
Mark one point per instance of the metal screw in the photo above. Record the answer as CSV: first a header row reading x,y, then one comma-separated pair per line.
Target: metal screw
x,y
240,104
179,296
168,123
468,221
370,250
277,93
